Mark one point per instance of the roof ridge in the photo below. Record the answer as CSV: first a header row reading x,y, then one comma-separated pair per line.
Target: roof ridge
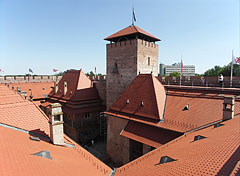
x,y
154,79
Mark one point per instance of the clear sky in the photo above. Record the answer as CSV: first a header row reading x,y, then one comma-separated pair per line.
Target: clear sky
x,y
65,34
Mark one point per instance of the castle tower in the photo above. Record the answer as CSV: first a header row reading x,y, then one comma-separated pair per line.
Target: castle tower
x,y
131,51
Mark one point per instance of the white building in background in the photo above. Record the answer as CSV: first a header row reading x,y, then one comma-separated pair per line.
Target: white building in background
x,y
188,70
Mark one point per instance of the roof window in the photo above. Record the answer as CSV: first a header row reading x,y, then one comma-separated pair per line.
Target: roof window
x,y
34,138
45,154
166,159
142,104
218,125
127,102
186,107
198,137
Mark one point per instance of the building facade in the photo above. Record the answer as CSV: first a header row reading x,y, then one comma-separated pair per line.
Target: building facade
x,y
188,70
81,105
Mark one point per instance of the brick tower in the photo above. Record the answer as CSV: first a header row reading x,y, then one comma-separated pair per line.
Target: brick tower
x,y
131,51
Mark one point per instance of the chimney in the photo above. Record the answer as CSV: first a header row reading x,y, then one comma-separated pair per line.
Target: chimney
x,y
55,115
228,107
56,87
64,88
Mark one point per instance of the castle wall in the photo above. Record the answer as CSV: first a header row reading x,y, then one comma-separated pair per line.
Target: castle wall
x,y
101,88
117,146
147,57
121,68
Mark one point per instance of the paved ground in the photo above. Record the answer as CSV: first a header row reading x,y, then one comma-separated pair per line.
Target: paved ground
x,y
98,149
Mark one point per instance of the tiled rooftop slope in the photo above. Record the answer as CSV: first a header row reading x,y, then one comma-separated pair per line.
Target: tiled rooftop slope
x,y
217,154
16,148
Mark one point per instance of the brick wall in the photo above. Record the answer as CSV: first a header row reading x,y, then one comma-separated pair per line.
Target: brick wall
x,y
117,146
24,79
147,51
101,88
197,81
124,54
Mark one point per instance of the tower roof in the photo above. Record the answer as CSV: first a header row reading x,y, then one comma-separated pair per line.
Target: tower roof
x,y
131,32
144,97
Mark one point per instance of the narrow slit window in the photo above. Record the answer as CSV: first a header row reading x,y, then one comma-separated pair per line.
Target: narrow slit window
x,y
149,61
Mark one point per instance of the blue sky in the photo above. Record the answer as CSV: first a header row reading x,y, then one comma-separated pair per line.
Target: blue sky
x,y
65,34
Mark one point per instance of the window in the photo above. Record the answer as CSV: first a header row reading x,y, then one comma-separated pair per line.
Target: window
x,y
149,61
115,69
87,115
57,118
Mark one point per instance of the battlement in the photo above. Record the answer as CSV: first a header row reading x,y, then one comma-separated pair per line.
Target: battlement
x,y
198,81
25,79
97,78
132,42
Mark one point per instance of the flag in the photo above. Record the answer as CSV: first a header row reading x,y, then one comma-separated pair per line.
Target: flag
x,y
134,17
236,60
55,70
30,70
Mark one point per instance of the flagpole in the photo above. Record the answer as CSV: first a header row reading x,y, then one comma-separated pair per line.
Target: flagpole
x,y
132,15
181,71
231,71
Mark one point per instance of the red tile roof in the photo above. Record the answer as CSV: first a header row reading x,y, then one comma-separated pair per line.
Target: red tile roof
x,y
131,30
21,113
147,134
144,88
203,108
79,87
39,90
16,149
217,154
16,157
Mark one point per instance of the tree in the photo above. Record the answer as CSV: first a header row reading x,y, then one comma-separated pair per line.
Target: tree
x,y
225,70
90,73
61,73
175,74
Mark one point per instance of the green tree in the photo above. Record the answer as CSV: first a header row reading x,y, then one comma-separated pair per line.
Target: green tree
x,y
225,70
90,73
176,74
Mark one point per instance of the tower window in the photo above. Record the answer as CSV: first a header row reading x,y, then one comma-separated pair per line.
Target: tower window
x,y
115,69
149,61
87,115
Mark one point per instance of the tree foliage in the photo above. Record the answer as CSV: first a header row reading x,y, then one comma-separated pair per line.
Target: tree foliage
x,y
176,74
92,74
225,70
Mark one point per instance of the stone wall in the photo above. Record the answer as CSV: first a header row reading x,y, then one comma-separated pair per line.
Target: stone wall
x,y
101,88
25,79
117,146
121,68
147,51
197,81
